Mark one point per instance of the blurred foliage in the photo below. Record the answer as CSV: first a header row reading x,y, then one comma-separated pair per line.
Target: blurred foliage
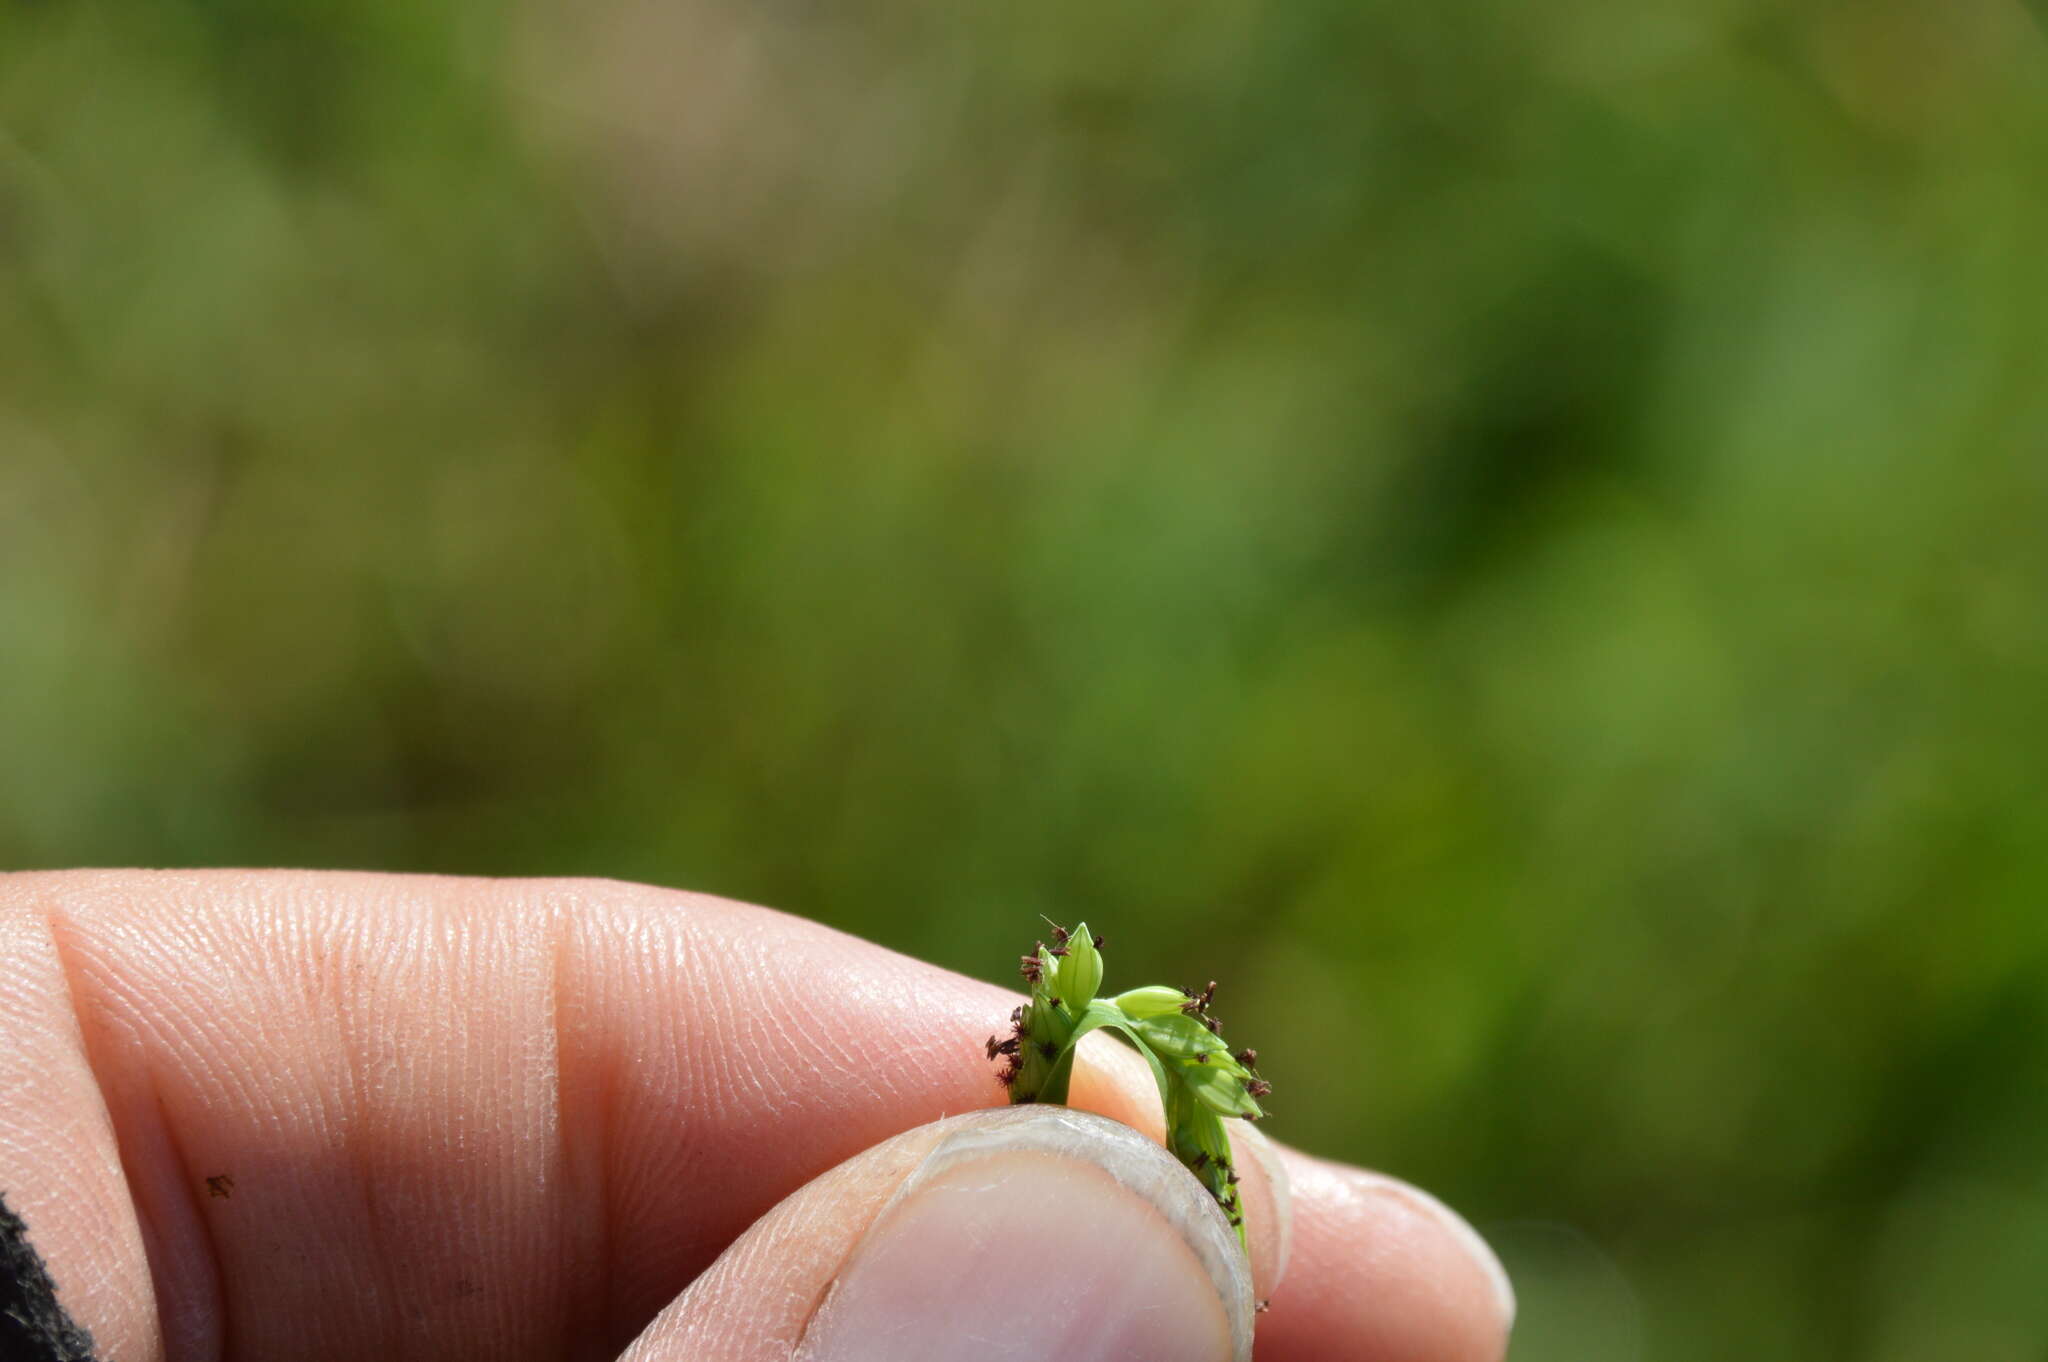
x,y
1532,519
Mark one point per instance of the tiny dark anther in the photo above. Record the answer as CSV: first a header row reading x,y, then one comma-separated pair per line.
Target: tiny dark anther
x,y
1258,1087
1248,1058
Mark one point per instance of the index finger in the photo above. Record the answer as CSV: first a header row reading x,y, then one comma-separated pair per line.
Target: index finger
x,y
513,1118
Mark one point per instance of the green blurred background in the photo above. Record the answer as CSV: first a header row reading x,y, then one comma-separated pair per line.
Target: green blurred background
x,y
1514,535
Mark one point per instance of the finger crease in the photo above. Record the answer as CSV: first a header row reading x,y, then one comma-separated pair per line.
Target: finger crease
x,y
157,1236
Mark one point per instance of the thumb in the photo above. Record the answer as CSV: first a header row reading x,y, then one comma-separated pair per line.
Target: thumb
x,y
1021,1233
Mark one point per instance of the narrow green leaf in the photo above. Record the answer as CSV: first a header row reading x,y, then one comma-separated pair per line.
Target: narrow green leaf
x,y
1054,1089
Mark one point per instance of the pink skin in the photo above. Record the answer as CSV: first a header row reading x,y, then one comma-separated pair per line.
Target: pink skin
x,y
516,1119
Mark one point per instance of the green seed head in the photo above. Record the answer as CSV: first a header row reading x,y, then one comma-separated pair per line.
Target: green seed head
x,y
1200,1081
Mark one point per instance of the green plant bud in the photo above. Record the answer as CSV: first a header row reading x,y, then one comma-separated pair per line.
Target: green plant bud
x,y
1080,971
1179,1036
1156,1001
1048,975
1220,1090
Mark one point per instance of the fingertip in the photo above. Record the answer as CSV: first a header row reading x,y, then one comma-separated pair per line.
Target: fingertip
x,y
1472,1245
1388,1268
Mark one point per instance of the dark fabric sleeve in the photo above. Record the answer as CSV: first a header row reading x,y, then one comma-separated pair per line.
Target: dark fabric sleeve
x,y
33,1327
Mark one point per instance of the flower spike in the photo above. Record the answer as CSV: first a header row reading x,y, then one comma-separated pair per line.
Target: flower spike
x,y
1201,1082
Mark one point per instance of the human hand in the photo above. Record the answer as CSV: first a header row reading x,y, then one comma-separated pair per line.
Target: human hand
x,y
303,1115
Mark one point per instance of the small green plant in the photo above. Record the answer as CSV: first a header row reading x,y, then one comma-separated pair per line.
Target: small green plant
x,y
1200,1081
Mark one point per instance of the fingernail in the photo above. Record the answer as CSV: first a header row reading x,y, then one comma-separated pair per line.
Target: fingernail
x,y
1038,1233
1461,1234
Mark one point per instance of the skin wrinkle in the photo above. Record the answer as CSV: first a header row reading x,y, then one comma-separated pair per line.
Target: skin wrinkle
x,y
672,1156
341,985
817,1047
330,1110
720,1065
181,1321
575,1333
583,1102
701,1078
609,959
348,977
493,1034
188,1184
604,1067
93,1274
741,1072
518,1192
751,1032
